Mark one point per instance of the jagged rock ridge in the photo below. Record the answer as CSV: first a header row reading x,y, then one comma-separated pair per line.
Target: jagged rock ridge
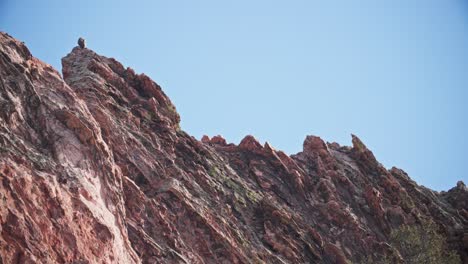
x,y
95,169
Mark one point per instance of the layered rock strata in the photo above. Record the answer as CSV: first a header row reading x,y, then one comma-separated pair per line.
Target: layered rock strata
x,y
94,168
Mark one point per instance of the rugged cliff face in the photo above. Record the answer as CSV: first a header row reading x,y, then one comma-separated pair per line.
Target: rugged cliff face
x,y
95,169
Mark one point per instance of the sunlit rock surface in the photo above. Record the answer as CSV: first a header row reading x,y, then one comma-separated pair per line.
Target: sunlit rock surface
x,y
95,169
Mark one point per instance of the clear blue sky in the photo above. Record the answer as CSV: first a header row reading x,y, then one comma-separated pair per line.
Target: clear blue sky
x,y
395,73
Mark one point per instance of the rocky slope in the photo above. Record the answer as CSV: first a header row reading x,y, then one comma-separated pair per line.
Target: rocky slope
x,y
95,169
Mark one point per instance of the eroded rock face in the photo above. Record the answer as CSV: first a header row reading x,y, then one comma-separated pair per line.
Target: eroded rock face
x,y
95,169
61,190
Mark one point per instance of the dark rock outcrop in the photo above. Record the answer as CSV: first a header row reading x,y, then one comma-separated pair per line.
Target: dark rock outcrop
x,y
95,169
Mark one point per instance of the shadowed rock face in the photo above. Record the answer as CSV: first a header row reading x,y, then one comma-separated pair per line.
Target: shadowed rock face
x,y
95,169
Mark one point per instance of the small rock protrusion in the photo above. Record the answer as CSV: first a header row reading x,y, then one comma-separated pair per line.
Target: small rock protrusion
x,y
82,43
205,139
250,143
218,140
461,185
313,143
358,145
363,154
268,148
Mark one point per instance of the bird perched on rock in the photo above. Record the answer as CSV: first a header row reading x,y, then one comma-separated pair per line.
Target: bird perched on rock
x,y
82,43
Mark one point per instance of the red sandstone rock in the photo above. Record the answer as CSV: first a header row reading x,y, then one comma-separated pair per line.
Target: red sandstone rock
x,y
313,143
250,143
218,140
95,169
205,139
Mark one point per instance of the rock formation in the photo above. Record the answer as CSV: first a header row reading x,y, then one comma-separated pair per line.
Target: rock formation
x,y
82,43
94,168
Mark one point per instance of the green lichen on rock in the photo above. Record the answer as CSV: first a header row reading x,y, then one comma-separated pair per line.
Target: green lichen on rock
x,y
242,192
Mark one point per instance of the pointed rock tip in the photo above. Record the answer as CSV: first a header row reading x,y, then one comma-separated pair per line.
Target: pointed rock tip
x,y
363,153
313,143
268,147
205,139
461,185
358,144
250,143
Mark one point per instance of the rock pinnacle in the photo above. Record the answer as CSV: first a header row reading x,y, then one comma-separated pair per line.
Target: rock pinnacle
x,y
82,43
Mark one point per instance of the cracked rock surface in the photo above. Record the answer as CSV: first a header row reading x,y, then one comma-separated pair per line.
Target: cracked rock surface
x,y
94,168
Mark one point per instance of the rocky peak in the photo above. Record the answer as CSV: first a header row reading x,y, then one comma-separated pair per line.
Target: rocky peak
x,y
250,143
358,145
93,75
461,185
315,145
94,168
205,139
364,156
50,149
